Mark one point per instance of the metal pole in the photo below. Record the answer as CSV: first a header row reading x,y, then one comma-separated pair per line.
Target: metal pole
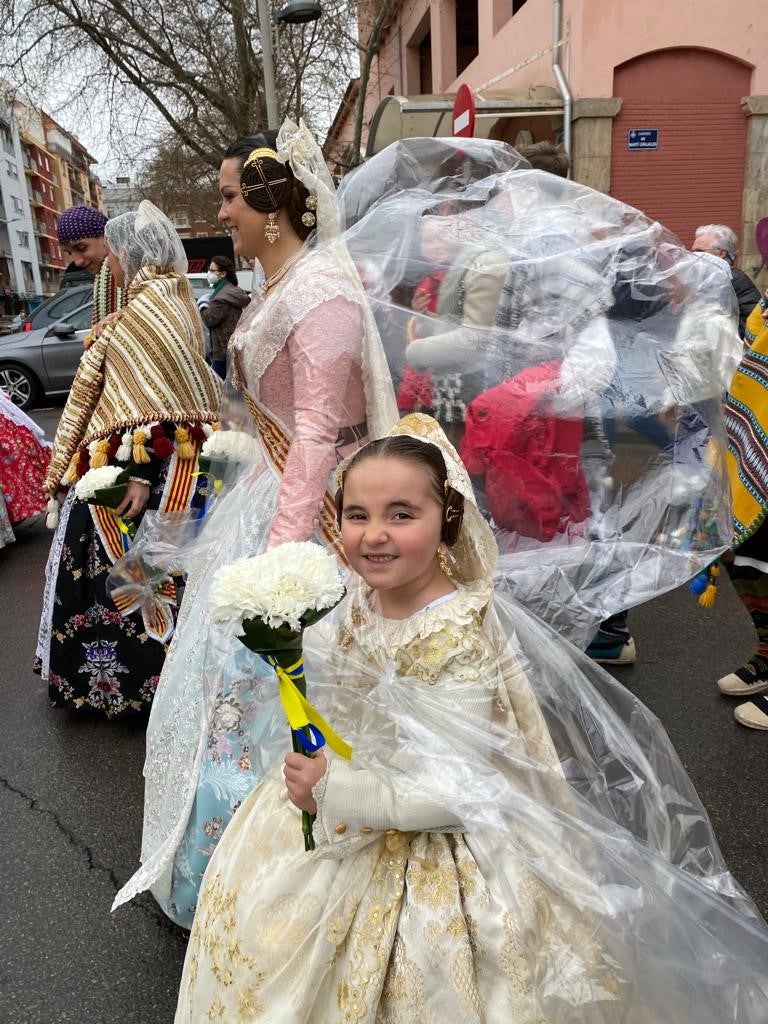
x,y
270,90
562,83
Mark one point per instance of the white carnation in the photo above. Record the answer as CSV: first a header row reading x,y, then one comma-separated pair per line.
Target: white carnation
x,y
278,586
234,445
95,479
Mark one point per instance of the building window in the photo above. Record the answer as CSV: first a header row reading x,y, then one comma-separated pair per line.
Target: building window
x,y
18,208
23,237
180,219
504,11
425,64
418,58
467,35
10,168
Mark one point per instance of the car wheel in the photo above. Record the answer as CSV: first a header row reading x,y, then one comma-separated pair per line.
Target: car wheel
x,y
19,384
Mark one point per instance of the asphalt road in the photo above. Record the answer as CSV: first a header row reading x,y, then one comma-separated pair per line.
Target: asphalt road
x,y
71,804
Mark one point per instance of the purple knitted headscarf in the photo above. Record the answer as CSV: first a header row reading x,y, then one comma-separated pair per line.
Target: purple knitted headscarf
x,y
80,222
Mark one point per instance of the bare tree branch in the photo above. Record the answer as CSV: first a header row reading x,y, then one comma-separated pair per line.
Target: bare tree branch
x,y
193,68
372,44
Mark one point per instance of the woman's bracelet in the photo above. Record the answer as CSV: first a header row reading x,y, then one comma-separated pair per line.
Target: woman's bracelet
x,y
138,480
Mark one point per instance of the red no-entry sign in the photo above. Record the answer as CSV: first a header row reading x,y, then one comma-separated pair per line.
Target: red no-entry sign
x,y
464,113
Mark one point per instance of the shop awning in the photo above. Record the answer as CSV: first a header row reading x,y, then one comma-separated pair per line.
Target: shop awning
x,y
404,117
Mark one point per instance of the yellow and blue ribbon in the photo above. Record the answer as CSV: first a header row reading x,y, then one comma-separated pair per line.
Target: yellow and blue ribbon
x,y
308,725
125,534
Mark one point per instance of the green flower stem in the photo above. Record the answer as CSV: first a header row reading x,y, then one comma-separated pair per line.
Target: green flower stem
x,y
307,819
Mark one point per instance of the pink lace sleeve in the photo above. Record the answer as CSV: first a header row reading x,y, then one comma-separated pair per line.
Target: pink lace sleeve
x,y
325,355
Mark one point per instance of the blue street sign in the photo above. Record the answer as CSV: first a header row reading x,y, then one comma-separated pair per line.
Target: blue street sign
x,y
643,138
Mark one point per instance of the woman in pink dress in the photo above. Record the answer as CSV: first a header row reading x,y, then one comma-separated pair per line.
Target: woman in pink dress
x,y
307,362
24,458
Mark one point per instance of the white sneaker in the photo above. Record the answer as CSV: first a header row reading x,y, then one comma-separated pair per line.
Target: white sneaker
x,y
733,685
618,654
753,714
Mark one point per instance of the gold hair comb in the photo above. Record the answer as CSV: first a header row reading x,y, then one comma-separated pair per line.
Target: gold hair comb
x,y
258,154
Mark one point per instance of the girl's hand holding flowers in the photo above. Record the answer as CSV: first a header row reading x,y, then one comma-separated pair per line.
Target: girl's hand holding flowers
x,y
301,776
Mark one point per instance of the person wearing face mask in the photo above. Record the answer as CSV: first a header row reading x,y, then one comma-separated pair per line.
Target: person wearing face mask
x,y
719,240
225,304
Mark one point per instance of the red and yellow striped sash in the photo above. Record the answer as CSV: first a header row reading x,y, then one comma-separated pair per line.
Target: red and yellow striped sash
x,y
277,444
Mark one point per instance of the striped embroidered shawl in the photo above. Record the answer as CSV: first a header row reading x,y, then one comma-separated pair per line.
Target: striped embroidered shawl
x,y
146,367
746,421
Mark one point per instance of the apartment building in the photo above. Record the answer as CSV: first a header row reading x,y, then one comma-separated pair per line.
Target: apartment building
x,y
43,171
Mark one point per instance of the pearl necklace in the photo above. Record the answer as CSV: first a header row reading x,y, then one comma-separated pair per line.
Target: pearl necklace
x,y
280,273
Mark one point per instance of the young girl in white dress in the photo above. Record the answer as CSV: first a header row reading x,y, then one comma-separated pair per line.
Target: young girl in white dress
x,y
514,839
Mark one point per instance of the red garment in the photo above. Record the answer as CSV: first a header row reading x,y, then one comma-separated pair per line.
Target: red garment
x,y
415,391
430,286
534,482
23,464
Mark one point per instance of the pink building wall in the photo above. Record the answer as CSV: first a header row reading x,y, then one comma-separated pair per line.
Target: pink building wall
x,y
602,33
601,36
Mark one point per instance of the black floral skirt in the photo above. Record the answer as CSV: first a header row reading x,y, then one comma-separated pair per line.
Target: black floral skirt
x,y
98,661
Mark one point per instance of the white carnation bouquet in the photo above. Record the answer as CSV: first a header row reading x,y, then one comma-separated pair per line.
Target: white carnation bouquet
x,y
105,478
106,486
267,601
282,587
229,447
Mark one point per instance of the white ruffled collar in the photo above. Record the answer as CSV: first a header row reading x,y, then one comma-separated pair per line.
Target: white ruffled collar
x,y
466,602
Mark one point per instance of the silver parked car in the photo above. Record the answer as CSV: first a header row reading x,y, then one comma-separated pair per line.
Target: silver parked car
x,y
41,363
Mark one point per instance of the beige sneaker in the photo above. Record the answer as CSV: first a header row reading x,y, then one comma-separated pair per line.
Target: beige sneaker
x,y
753,714
735,685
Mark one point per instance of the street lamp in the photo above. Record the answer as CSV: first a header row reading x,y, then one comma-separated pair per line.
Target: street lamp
x,y
296,12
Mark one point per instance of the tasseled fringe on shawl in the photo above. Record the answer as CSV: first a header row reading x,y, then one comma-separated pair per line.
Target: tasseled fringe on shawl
x,y
126,447
70,477
184,447
139,446
140,438
99,457
52,518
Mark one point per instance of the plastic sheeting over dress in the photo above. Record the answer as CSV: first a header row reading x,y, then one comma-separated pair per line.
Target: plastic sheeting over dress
x,y
577,355
514,839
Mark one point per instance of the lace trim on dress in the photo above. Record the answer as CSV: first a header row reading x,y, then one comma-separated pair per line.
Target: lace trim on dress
x,y
266,325
43,650
469,601
319,788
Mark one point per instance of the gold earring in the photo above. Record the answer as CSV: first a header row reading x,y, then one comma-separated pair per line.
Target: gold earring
x,y
272,230
308,219
442,558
